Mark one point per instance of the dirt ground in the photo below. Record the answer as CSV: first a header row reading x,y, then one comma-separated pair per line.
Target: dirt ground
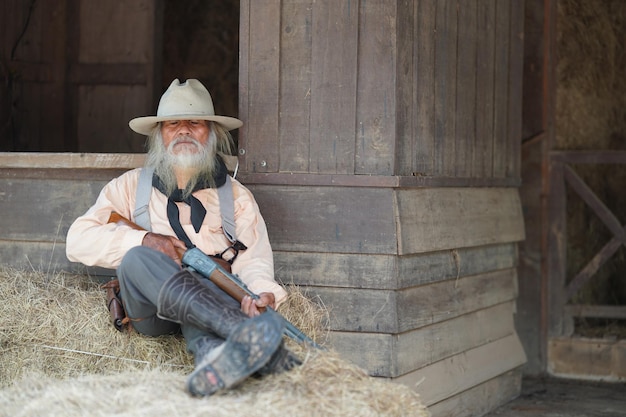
x,y
566,398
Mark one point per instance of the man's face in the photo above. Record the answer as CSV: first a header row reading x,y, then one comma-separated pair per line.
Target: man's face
x,y
180,134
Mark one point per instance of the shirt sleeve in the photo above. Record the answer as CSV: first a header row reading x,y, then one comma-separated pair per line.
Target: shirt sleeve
x,y
93,241
255,265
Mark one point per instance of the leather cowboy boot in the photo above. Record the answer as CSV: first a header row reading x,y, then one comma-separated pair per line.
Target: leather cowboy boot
x,y
249,347
249,342
203,346
281,361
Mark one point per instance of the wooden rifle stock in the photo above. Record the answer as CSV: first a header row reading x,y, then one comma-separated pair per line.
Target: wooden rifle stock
x,y
217,277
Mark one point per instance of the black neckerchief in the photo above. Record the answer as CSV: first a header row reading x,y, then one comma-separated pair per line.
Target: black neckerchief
x,y
198,212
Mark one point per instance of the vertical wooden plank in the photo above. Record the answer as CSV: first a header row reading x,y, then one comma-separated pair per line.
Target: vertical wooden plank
x,y
501,89
90,123
485,40
557,248
405,89
154,72
97,102
466,89
70,93
55,55
43,124
445,87
424,88
516,76
100,104
5,86
263,86
130,42
25,47
333,86
26,31
6,29
244,81
375,107
550,266
295,85
534,83
32,97
26,126
529,318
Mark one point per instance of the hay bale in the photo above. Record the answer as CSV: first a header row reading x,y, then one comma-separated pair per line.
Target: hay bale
x,y
62,356
591,92
58,325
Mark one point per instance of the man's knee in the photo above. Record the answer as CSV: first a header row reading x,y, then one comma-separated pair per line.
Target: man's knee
x,y
142,261
141,273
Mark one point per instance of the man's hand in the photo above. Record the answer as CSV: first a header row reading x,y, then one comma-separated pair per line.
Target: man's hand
x,y
255,307
169,245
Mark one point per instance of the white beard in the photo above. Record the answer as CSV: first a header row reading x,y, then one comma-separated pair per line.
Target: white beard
x,y
187,160
201,164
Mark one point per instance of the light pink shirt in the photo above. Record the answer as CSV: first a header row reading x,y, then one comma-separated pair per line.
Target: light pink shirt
x,y
94,242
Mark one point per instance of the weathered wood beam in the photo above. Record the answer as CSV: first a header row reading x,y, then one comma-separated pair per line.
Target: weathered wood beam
x,y
596,311
585,358
481,399
591,268
387,311
426,345
599,208
589,157
458,373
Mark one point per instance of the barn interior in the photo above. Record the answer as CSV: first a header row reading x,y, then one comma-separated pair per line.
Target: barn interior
x,y
571,307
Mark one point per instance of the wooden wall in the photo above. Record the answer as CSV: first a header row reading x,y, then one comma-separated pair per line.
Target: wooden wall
x,y
406,88
74,72
420,282
382,140
40,196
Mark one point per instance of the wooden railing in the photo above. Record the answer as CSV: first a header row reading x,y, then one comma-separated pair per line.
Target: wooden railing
x,y
562,289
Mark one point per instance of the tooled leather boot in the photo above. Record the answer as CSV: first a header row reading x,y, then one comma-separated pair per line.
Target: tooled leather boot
x,y
203,346
249,343
249,347
281,361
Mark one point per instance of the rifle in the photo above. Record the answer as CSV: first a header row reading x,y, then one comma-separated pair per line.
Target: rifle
x,y
218,271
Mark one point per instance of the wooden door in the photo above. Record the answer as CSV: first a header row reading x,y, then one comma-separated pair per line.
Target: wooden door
x,y
75,71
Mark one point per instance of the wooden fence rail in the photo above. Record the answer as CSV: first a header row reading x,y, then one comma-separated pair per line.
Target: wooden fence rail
x,y
563,290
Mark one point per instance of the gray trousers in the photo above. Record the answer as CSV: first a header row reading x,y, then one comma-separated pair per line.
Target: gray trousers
x,y
142,273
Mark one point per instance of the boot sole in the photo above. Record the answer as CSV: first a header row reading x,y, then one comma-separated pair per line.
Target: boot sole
x,y
249,347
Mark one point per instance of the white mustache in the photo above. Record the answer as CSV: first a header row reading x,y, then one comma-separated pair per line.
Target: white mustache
x,y
181,139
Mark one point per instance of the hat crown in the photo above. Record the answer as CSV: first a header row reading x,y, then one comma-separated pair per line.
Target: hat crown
x,y
189,98
184,101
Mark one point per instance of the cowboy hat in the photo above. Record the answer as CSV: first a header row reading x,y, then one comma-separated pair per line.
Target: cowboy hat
x,y
184,101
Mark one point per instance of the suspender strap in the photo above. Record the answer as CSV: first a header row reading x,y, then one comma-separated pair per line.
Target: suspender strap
x,y
141,215
227,209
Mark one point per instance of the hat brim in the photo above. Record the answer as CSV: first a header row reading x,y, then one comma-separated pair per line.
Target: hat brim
x,y
145,125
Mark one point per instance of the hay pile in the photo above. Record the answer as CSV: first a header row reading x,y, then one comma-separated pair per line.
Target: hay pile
x,y
591,92
61,356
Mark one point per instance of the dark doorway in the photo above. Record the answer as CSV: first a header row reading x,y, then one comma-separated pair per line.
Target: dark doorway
x,y
201,40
